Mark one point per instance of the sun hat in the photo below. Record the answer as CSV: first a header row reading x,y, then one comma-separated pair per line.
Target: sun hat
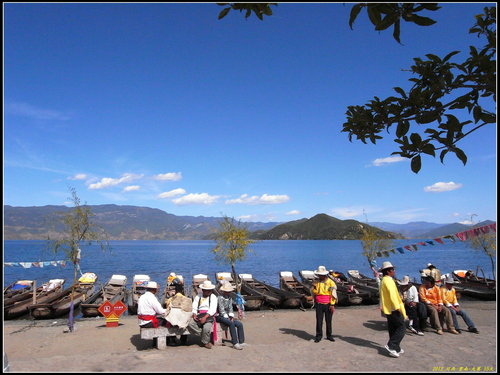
x,y
152,285
429,264
449,280
227,287
386,265
172,274
404,281
321,271
207,285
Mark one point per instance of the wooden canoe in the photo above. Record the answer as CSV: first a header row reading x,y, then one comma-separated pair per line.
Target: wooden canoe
x,y
113,291
273,296
139,283
289,282
252,301
19,307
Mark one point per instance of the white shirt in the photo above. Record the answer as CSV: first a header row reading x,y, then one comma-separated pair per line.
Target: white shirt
x,y
205,304
411,295
148,305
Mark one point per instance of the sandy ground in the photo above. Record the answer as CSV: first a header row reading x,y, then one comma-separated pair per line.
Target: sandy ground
x,y
278,341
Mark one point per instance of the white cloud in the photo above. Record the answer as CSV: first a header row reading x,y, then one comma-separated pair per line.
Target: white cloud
x,y
197,198
131,188
347,212
439,187
172,193
27,110
107,181
263,199
78,176
391,159
172,176
293,212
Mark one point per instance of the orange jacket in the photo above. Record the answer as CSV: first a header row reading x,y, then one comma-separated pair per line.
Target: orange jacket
x,y
431,295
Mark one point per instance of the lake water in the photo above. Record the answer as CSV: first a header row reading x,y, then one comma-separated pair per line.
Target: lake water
x,y
158,258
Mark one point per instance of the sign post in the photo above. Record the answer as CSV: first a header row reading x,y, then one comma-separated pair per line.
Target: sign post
x,y
112,312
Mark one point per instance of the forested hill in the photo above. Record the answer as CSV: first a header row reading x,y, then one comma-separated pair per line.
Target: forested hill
x,y
322,227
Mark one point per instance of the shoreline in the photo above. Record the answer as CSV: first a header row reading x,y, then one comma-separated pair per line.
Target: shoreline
x,y
278,341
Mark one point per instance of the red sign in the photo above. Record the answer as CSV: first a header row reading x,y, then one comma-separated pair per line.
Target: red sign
x,y
119,308
106,309
109,310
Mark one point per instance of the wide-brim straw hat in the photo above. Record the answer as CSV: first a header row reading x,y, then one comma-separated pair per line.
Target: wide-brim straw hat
x,y
227,287
152,285
321,271
386,265
404,281
207,285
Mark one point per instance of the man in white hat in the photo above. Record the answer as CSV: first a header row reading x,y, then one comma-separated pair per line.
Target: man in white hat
x,y
435,273
393,308
415,309
325,295
226,316
148,307
449,296
204,309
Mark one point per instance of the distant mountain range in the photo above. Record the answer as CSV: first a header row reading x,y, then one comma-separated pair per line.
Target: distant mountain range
x,y
144,223
422,229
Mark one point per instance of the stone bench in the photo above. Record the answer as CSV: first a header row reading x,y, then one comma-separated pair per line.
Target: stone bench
x,y
161,334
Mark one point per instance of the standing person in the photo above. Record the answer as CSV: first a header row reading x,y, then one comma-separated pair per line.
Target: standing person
x,y
434,272
325,296
226,316
449,296
204,309
393,308
430,295
148,307
416,310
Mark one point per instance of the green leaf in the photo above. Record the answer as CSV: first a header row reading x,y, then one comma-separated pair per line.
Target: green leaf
x,y
400,91
223,13
448,56
416,139
354,13
373,14
402,128
397,31
416,164
422,21
461,155
443,153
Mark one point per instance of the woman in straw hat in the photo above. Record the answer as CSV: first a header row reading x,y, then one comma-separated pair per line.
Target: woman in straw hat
x,y
325,296
204,309
226,316
393,308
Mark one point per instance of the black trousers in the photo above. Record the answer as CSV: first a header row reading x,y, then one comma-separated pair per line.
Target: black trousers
x,y
323,309
397,329
418,314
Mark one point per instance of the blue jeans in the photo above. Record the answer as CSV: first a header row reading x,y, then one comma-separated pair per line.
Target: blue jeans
x,y
465,317
235,327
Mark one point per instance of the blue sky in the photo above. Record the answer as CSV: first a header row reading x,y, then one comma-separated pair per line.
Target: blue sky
x,y
164,106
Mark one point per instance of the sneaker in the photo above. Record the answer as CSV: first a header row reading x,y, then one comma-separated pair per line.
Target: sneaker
x,y
420,333
391,352
439,331
208,346
412,330
317,339
238,346
243,344
453,330
401,351
458,330
330,338
473,330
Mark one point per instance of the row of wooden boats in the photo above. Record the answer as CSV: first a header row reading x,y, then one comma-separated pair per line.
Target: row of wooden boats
x,y
51,300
